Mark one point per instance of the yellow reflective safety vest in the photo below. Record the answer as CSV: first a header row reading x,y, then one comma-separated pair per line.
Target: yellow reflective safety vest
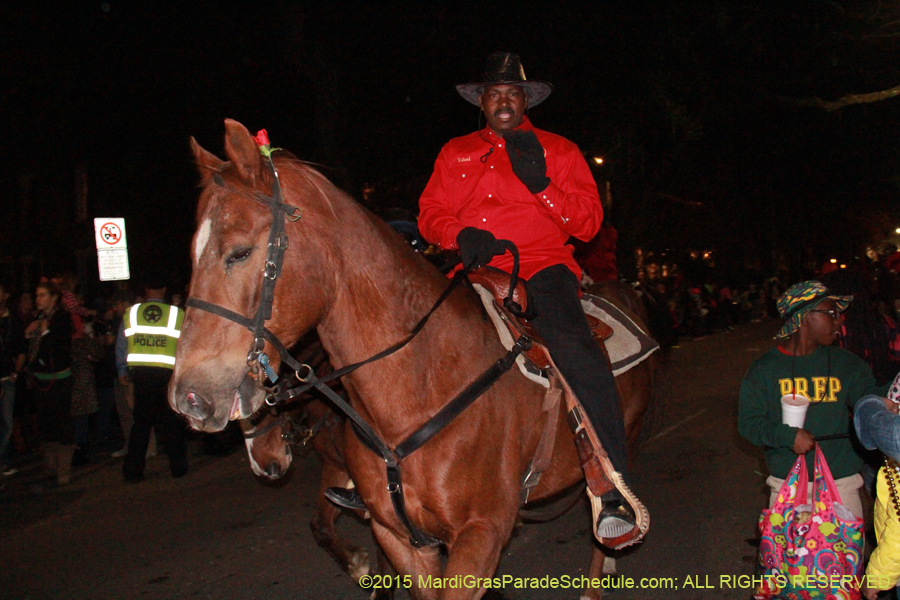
x,y
152,330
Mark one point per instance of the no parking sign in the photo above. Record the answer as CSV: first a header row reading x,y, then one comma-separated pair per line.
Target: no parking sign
x,y
112,249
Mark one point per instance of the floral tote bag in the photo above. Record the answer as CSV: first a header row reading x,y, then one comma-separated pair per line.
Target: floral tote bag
x,y
812,549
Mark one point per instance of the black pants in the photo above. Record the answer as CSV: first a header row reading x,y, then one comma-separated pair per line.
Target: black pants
x,y
151,409
53,399
560,321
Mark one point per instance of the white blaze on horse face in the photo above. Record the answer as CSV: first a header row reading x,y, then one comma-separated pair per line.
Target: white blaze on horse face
x,y
258,470
201,240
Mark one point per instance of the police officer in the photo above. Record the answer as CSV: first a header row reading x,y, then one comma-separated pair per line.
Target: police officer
x,y
145,355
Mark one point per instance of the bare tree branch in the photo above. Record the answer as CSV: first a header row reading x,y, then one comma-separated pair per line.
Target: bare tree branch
x,y
831,105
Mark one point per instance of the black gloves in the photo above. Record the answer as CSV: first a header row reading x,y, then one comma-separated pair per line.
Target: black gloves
x,y
526,155
477,247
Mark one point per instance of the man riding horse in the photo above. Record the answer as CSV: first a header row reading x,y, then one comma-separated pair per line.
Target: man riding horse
x,y
512,181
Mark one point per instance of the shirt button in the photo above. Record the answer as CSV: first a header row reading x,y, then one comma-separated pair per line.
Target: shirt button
x,y
544,196
551,206
484,220
464,174
492,166
490,196
499,145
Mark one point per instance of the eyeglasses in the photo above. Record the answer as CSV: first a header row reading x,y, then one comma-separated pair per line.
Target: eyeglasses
x,y
833,313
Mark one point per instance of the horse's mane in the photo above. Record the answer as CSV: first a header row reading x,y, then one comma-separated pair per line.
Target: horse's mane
x,y
307,171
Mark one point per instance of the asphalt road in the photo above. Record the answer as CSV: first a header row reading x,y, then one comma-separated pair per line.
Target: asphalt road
x,y
219,534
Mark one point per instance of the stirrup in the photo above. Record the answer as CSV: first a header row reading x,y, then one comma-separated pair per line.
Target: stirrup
x,y
615,520
346,498
641,516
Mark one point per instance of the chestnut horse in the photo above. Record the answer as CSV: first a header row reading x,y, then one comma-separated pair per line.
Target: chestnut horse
x,y
351,277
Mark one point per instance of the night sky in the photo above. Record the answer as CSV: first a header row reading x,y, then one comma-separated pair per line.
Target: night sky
x,y
697,108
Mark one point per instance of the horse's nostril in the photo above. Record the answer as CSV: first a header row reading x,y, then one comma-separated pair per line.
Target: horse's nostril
x,y
274,470
196,406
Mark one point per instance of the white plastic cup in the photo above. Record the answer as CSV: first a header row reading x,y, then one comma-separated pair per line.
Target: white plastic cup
x,y
793,409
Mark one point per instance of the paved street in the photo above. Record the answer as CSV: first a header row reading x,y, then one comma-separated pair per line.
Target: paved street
x,y
219,534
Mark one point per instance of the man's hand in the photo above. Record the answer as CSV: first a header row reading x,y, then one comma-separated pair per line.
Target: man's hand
x,y
477,247
123,379
526,156
804,442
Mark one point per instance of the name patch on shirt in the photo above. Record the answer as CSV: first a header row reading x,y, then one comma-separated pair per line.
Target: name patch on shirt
x,y
466,159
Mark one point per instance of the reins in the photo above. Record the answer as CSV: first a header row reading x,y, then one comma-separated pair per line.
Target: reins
x,y
283,392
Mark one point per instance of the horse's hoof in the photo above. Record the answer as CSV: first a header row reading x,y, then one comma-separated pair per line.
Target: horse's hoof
x,y
358,565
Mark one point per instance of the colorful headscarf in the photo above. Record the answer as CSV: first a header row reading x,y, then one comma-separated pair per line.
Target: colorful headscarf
x,y
801,298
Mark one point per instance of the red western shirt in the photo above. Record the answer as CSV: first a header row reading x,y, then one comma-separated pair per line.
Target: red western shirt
x,y
466,191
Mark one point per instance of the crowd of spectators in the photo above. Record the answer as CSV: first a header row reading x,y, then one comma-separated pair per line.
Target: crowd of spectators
x,y
683,307
63,404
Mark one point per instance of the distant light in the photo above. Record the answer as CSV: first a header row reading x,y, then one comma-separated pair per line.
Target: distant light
x,y
599,161
843,266
833,261
897,230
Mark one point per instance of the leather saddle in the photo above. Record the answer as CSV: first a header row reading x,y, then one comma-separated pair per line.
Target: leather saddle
x,y
497,282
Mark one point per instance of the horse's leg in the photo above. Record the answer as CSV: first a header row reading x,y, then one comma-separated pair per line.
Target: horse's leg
x,y
475,553
386,569
600,565
415,562
352,559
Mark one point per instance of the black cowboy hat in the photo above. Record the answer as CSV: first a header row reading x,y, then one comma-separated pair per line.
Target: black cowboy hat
x,y
505,68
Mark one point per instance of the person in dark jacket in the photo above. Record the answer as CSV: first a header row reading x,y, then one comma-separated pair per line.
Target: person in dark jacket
x,y
12,359
49,369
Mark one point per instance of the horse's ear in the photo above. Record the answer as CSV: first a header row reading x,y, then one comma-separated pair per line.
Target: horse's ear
x,y
207,162
242,151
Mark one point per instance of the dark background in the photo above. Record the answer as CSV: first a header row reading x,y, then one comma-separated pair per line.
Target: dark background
x,y
702,111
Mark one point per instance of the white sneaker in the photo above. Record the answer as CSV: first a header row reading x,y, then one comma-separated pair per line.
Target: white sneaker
x,y
119,453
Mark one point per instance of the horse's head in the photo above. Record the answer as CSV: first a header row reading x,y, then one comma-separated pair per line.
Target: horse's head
x,y
267,446
229,253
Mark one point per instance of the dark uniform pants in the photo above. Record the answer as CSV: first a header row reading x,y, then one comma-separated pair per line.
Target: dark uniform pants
x,y
560,321
151,409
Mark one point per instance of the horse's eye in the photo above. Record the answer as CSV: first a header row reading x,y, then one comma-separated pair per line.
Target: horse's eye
x,y
238,255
